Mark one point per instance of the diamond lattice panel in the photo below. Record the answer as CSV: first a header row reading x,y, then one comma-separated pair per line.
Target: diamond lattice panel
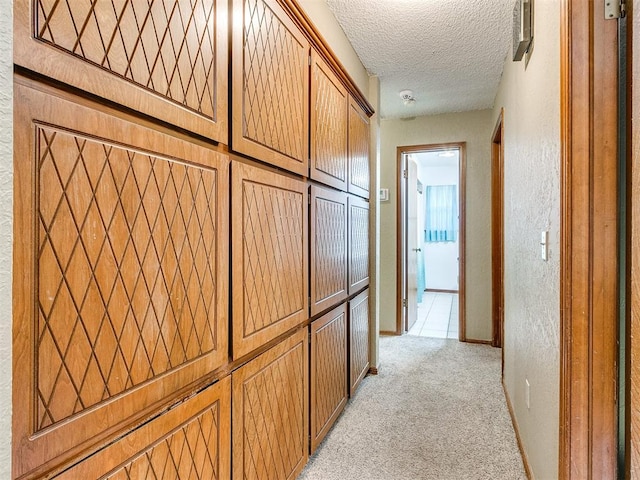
x,y
329,244
359,245
271,412
126,270
190,452
329,128
358,151
167,47
359,338
271,86
329,367
270,256
188,442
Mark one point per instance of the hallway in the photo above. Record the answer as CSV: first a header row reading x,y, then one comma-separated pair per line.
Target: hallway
x,y
436,411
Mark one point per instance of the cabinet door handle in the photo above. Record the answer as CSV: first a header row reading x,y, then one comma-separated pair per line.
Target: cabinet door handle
x,y
416,249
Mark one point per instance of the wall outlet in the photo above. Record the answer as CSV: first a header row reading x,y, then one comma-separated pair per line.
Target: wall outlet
x,y
527,393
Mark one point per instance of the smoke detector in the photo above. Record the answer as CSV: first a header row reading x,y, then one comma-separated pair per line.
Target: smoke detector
x,y
407,98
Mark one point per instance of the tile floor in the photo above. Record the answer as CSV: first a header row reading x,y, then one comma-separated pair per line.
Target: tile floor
x,y
437,316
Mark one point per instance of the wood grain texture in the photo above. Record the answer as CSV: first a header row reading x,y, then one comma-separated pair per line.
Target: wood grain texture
x,y
328,260
497,233
191,441
328,372
271,412
358,340
270,256
589,244
633,346
270,85
166,59
358,151
358,244
329,129
121,278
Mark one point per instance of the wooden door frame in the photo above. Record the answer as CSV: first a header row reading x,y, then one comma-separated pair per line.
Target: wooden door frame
x,y
400,227
497,232
588,243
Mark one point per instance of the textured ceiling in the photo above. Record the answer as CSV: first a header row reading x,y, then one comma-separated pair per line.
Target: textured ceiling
x,y
449,52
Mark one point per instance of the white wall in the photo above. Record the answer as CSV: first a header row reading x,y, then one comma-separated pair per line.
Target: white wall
x,y
475,129
530,96
6,230
440,258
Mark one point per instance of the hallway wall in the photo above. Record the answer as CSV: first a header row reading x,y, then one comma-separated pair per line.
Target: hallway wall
x,y
6,230
530,95
474,128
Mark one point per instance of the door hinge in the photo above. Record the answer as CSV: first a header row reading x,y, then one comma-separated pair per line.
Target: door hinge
x,y
405,174
404,302
614,9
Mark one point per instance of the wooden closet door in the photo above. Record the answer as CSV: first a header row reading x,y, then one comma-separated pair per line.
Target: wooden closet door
x,y
167,59
190,441
328,372
120,272
270,85
329,113
358,150
358,244
358,340
270,256
328,248
271,412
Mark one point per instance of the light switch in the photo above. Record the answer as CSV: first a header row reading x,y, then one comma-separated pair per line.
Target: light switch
x,y
544,245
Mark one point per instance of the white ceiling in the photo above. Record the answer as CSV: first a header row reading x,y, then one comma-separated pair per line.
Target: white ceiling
x,y
449,52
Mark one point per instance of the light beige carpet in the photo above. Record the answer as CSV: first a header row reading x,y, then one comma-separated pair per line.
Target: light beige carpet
x,y
436,411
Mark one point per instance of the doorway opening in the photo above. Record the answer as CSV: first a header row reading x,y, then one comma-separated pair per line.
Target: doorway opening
x,y
431,239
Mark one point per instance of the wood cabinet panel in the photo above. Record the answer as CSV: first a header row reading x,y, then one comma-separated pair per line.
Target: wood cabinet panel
x,y
270,86
328,248
166,59
358,340
358,150
190,441
270,412
270,256
328,372
121,274
358,244
329,114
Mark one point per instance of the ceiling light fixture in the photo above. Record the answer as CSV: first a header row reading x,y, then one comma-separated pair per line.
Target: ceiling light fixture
x,y
407,98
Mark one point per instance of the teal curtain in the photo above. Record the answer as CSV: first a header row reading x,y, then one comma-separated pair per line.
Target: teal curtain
x,y
441,213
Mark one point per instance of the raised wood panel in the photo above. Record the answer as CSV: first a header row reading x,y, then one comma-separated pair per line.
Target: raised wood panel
x,y
328,372
270,85
270,412
270,256
358,244
358,150
329,129
358,340
190,441
166,59
328,248
121,271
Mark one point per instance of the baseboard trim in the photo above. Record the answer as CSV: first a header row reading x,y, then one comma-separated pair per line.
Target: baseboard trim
x,y
389,333
473,340
514,422
438,290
